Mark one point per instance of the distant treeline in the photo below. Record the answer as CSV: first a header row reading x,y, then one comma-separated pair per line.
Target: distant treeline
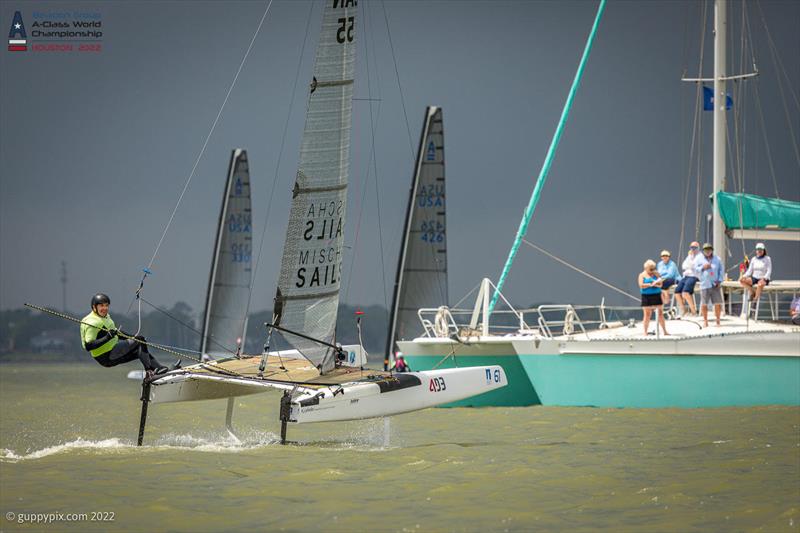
x,y
24,331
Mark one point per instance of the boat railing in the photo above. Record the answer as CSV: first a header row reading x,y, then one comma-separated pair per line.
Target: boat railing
x,y
443,321
550,320
567,319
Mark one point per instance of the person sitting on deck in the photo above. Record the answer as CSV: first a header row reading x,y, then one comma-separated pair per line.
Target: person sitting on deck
x,y
794,310
684,291
400,364
100,337
758,273
668,271
708,269
650,287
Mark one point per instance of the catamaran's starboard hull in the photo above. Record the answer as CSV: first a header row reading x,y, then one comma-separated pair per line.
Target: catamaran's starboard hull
x,y
401,394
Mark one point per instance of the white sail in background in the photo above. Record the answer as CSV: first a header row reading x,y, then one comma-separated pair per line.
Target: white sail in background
x,y
225,318
421,280
308,287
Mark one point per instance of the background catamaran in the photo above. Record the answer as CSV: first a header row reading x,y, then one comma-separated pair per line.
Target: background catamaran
x,y
556,361
320,379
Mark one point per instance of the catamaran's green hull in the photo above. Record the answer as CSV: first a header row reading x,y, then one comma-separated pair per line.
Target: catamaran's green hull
x,y
728,368
663,380
518,393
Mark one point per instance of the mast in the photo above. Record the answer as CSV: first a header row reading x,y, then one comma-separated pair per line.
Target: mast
x,y
401,260
720,123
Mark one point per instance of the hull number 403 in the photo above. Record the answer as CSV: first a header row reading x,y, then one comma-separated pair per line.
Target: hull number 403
x,y
437,385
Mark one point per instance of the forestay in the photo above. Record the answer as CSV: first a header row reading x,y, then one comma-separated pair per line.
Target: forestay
x,y
421,280
225,318
308,286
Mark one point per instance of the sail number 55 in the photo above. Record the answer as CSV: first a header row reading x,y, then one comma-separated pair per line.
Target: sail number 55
x,y
345,32
437,385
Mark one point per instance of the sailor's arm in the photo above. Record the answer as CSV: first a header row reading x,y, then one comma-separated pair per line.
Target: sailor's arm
x,y
102,337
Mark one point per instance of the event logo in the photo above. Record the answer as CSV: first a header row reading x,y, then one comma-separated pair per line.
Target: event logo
x,y
17,38
57,30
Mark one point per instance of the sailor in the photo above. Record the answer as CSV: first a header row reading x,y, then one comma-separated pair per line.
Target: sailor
x,y
100,337
400,364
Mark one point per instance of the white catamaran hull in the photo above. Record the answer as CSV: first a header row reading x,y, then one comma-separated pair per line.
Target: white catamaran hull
x,y
401,394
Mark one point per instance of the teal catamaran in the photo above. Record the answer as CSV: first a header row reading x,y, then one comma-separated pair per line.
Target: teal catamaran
x,y
552,359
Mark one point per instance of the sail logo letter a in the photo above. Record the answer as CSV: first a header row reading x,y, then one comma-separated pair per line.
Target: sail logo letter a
x,y
431,151
17,38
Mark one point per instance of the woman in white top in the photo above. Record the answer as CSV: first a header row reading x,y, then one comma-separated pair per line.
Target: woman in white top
x,y
758,273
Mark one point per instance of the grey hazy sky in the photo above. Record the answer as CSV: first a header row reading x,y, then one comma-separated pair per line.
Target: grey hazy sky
x,y
95,147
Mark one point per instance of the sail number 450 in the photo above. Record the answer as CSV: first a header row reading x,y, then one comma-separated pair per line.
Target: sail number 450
x,y
437,385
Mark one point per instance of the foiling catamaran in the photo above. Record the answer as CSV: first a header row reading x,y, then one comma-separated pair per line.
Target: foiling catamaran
x,y
321,380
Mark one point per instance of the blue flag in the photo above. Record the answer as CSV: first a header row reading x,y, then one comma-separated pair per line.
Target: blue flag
x,y
708,99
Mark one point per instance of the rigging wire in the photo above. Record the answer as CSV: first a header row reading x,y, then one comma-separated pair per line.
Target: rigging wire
x,y
362,185
696,131
208,137
397,76
147,270
766,142
699,160
187,326
377,191
780,69
576,269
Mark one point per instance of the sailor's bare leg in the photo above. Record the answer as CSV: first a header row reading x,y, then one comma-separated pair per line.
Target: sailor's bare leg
x,y
661,320
680,303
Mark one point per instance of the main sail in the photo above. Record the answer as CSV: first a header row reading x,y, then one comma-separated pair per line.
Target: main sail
x,y
225,318
308,287
421,279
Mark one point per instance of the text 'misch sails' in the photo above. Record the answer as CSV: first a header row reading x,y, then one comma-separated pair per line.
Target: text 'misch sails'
x,y
421,280
308,286
225,317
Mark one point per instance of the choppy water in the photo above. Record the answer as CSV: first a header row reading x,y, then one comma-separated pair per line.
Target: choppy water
x,y
67,435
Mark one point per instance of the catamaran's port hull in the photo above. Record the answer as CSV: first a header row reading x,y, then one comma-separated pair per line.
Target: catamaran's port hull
x,y
187,388
741,369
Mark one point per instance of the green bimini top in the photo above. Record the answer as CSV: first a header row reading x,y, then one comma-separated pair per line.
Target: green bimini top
x,y
748,211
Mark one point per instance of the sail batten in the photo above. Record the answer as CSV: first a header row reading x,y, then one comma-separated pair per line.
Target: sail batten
x,y
225,317
307,298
